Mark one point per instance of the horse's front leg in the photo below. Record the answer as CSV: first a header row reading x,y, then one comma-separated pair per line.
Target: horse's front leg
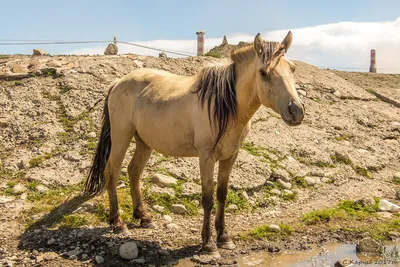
x,y
206,172
224,171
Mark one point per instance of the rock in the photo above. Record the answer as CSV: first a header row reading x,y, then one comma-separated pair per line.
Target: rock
x,y
302,92
224,41
112,49
178,209
73,257
17,68
99,259
49,256
19,188
84,256
172,226
75,252
385,205
41,188
53,64
51,241
162,55
167,218
283,184
138,63
276,192
274,228
121,184
232,207
245,195
326,180
163,180
190,189
24,196
72,156
337,94
85,165
384,215
91,135
287,192
369,245
398,195
344,262
128,250
309,181
365,202
158,208
396,175
71,65
39,258
39,52
280,174
139,261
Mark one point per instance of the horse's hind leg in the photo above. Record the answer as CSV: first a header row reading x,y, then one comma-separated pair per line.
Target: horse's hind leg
x,y
225,168
135,170
120,139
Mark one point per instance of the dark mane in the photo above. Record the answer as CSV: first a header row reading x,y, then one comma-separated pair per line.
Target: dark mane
x,y
216,89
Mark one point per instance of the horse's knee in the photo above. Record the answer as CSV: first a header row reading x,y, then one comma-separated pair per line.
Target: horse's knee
x,y
207,201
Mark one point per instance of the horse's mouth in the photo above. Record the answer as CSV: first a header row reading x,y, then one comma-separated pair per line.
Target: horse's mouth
x,y
292,123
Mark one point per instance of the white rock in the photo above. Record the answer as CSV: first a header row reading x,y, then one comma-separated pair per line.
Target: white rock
x,y
385,205
287,192
24,196
19,188
172,226
139,261
245,195
99,259
128,250
163,180
337,94
274,228
5,199
302,92
309,181
158,208
84,256
167,218
232,207
92,135
396,175
51,241
276,192
178,209
284,184
41,188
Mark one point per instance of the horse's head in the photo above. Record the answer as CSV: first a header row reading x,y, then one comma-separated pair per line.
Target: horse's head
x,y
275,82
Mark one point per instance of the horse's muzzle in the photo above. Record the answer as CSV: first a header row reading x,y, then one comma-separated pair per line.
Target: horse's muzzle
x,y
297,112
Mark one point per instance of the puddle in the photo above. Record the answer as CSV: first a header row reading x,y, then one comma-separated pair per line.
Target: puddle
x,y
317,257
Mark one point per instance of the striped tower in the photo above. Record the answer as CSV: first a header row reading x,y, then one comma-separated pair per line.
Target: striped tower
x,y
372,67
200,43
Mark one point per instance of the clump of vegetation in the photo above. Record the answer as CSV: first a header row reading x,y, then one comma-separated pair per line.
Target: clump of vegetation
x,y
237,199
339,158
318,163
213,54
264,232
345,209
264,153
74,221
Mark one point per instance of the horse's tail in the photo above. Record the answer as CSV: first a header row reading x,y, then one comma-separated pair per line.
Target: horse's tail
x,y
96,179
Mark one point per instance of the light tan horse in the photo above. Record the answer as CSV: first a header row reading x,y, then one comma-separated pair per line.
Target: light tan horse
x,y
206,116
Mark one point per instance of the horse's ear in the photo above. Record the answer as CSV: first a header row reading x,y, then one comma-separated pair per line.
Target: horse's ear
x,y
285,44
258,44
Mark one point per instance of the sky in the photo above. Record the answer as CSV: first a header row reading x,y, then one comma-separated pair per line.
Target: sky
x,y
336,34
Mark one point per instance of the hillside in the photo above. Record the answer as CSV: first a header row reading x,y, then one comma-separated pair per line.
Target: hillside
x,y
346,148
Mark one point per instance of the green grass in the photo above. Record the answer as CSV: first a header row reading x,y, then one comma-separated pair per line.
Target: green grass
x,y
300,181
74,221
237,199
343,137
289,197
345,209
264,153
318,163
339,158
213,54
396,180
263,232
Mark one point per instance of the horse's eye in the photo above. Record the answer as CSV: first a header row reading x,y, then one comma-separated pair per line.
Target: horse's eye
x,y
263,74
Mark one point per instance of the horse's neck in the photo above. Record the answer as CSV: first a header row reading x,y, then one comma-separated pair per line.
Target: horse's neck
x,y
247,98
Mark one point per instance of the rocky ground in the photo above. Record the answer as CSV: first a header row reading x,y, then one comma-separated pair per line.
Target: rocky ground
x,y
347,148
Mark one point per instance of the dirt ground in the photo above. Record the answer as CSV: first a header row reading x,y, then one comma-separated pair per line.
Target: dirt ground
x,y
346,148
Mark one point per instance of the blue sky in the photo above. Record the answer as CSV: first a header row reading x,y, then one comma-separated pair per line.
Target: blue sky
x,y
146,21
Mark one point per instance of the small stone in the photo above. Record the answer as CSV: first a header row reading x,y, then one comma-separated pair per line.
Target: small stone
x,y
24,196
344,262
158,208
163,180
71,65
17,68
84,256
309,181
41,188
85,165
326,180
49,256
232,207
39,52
280,174
5,199
196,202
128,250
19,188
178,209
139,261
121,184
73,156
287,192
283,184
138,63
274,228
365,202
51,241
75,252
245,195
337,94
162,55
302,92
385,205
369,245
73,257
112,49
53,64
276,192
39,258
91,135
167,218
99,259
396,175
172,226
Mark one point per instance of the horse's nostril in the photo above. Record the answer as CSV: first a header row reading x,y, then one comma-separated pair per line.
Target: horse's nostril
x,y
295,109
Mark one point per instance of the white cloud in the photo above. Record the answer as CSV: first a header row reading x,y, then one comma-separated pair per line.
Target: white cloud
x,y
343,44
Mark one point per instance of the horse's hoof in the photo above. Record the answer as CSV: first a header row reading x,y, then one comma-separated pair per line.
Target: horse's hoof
x,y
213,254
148,224
210,249
121,230
227,245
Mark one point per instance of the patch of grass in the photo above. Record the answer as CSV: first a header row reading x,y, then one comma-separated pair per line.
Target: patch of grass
x,y
32,185
213,54
318,163
264,153
51,97
378,230
371,91
362,171
339,158
36,161
343,137
164,171
300,181
289,197
345,209
73,221
237,199
396,180
264,232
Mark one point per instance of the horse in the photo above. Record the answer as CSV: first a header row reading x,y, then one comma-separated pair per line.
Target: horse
x,y
207,115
